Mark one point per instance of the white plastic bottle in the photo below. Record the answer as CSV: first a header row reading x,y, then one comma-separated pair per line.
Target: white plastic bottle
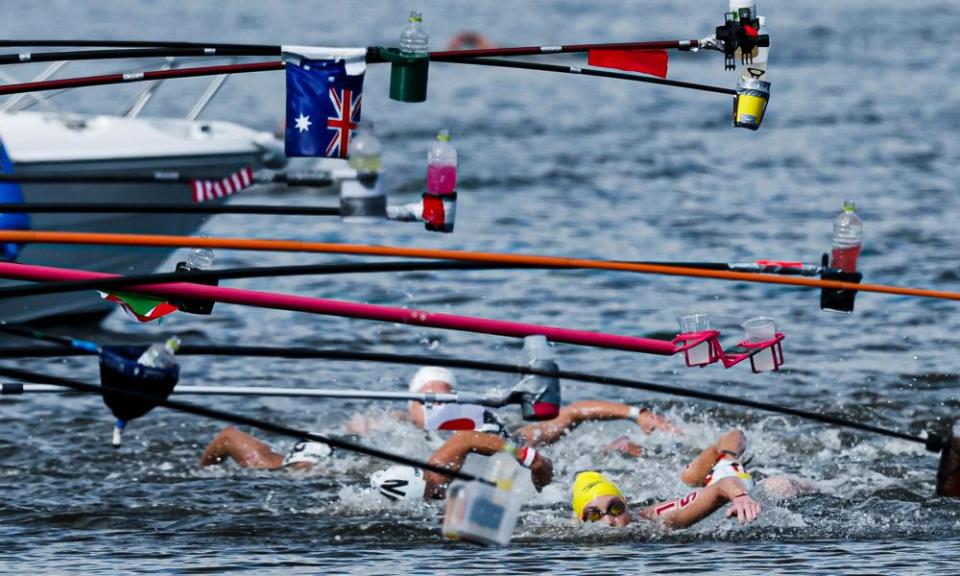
x,y
847,238
160,355
414,40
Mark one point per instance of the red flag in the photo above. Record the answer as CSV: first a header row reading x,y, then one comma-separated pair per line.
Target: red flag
x,y
652,62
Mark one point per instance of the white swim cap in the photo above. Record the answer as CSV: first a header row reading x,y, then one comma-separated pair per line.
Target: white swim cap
x,y
308,451
430,374
400,483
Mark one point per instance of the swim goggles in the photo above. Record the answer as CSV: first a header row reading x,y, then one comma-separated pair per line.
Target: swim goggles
x,y
614,509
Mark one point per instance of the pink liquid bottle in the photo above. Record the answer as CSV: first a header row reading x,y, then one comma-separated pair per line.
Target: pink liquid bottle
x,y
442,166
847,239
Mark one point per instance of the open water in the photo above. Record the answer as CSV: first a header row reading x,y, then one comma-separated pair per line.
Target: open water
x,y
865,107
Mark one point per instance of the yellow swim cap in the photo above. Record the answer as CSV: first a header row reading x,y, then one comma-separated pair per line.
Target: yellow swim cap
x,y
590,485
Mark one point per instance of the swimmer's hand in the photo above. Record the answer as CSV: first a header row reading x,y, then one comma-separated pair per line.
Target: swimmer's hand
x,y
541,472
626,447
745,508
648,422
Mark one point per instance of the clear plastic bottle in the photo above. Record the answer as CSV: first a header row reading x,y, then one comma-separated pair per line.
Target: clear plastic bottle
x,y
160,355
503,468
847,238
541,393
201,259
365,150
537,348
414,40
442,166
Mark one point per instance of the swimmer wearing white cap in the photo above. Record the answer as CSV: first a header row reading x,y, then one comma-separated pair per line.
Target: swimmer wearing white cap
x,y
429,380
436,380
249,452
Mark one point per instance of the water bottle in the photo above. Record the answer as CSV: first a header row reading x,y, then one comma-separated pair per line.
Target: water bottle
x,y
414,39
365,150
200,259
160,355
503,468
362,200
442,166
847,239
541,394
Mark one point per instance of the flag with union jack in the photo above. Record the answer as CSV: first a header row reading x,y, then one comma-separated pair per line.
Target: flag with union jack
x,y
324,93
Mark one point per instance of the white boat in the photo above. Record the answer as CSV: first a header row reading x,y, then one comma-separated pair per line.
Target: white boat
x,y
57,143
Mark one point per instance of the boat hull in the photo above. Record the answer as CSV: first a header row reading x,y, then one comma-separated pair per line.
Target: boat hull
x,y
113,259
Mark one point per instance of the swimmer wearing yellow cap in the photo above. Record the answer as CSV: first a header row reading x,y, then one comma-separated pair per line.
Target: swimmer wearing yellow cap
x,y
596,498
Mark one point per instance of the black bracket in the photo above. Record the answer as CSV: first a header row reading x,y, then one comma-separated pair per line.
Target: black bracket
x,y
740,31
189,305
833,299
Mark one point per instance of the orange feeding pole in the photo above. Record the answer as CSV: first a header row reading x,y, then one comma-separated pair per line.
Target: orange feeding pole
x,y
168,241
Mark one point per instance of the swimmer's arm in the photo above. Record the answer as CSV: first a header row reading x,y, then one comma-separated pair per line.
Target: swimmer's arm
x,y
577,413
452,455
696,472
698,505
246,450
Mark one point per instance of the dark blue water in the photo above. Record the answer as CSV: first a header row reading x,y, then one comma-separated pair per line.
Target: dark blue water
x,y
864,107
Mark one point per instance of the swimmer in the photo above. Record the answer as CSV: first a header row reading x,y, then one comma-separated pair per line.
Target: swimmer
x,y
723,459
435,380
717,471
250,452
427,380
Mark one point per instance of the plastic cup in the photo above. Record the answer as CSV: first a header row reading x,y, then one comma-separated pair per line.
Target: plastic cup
x,y
694,322
757,330
691,323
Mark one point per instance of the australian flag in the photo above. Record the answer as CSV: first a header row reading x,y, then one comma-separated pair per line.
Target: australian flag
x,y
323,102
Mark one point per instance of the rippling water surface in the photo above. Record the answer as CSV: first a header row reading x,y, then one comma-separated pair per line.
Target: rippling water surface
x,y
864,107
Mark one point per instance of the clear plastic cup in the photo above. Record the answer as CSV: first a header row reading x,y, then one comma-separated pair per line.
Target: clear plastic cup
x,y
691,323
694,322
757,330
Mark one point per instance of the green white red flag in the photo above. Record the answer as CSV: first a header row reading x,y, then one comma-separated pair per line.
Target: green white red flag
x,y
142,308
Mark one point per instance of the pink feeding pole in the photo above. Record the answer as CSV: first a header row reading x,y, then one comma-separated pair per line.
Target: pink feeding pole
x,y
353,310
